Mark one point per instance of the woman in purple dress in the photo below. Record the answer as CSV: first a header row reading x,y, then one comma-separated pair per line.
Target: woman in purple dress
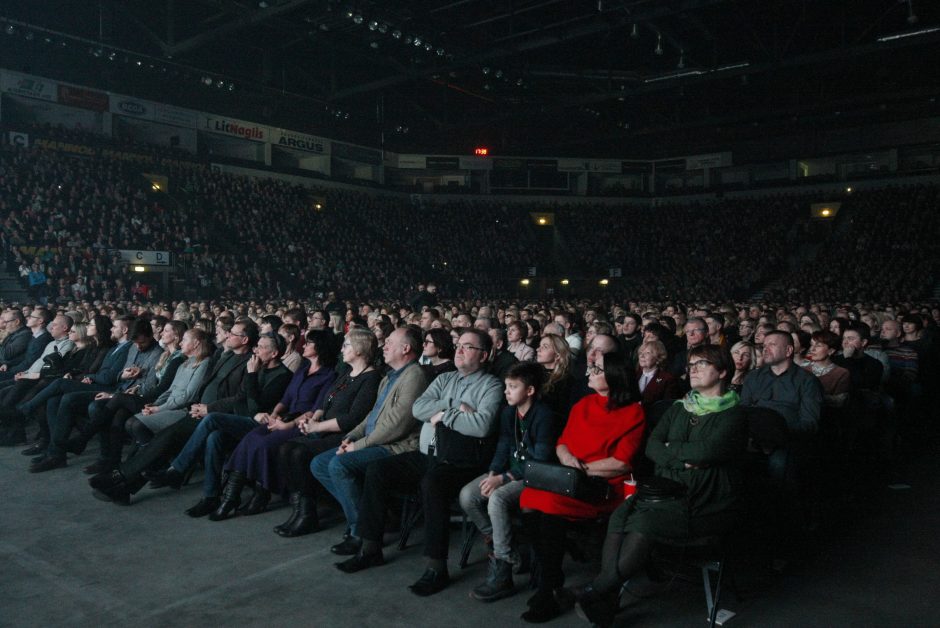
x,y
255,458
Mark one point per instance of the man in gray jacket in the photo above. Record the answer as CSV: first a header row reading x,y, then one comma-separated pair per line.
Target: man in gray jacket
x,y
465,401
389,429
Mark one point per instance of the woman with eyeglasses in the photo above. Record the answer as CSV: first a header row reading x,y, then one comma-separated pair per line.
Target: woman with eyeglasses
x,y
348,401
602,437
697,444
255,458
439,350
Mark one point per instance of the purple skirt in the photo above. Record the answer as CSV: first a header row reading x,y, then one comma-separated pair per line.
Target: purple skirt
x,y
256,456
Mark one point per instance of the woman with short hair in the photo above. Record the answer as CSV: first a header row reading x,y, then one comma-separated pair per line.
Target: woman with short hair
x,y
697,445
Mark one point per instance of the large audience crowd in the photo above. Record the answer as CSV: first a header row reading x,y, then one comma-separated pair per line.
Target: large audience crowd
x,y
667,411
233,236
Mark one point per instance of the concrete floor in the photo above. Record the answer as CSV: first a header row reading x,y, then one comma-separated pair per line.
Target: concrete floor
x,y
67,559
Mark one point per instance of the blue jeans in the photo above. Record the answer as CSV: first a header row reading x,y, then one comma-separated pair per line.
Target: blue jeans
x,y
210,437
343,477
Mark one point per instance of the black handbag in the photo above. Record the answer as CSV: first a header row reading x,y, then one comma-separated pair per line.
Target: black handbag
x,y
564,480
453,448
53,366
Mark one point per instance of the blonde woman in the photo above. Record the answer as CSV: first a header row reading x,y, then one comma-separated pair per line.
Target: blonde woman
x,y
554,355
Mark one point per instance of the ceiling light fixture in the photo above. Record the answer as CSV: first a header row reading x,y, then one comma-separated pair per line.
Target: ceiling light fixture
x,y
917,33
659,44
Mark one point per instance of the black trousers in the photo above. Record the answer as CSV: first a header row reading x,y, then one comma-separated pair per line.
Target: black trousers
x,y
405,473
160,450
293,460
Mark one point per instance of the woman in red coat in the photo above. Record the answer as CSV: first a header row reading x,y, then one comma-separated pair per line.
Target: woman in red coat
x,y
603,434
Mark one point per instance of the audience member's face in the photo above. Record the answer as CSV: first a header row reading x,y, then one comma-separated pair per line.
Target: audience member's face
x,y
599,346
545,354
742,359
703,376
463,321
220,335
597,381
852,342
393,349
890,330
189,345
819,351
695,334
310,350
590,334
58,328
629,326
349,352
430,349
426,320
646,357
776,350
168,336
266,349
469,355
759,335
513,334
516,392
714,326
316,321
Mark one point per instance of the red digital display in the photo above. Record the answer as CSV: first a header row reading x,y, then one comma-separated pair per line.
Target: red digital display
x,y
481,151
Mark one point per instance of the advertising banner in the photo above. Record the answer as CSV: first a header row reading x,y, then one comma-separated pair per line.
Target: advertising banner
x,y
133,107
412,162
177,116
28,86
83,98
300,141
235,128
713,160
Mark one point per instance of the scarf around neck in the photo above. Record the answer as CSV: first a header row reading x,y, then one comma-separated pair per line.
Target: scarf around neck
x,y
700,405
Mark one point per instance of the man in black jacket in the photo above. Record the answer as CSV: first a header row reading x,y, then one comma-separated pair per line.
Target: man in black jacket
x,y
36,323
221,392
14,345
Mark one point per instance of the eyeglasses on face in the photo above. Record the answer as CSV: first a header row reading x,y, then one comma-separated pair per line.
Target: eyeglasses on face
x,y
594,369
698,364
467,347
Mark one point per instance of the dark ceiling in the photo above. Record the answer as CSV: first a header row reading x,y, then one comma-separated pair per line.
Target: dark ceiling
x,y
560,77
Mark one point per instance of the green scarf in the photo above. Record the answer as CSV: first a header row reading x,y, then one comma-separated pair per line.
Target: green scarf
x,y
699,405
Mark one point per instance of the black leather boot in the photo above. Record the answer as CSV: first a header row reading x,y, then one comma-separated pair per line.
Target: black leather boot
x,y
231,495
306,521
258,502
294,500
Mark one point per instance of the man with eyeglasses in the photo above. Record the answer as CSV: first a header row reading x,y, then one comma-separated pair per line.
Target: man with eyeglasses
x,y
15,388
696,335
465,401
17,337
36,322
221,391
